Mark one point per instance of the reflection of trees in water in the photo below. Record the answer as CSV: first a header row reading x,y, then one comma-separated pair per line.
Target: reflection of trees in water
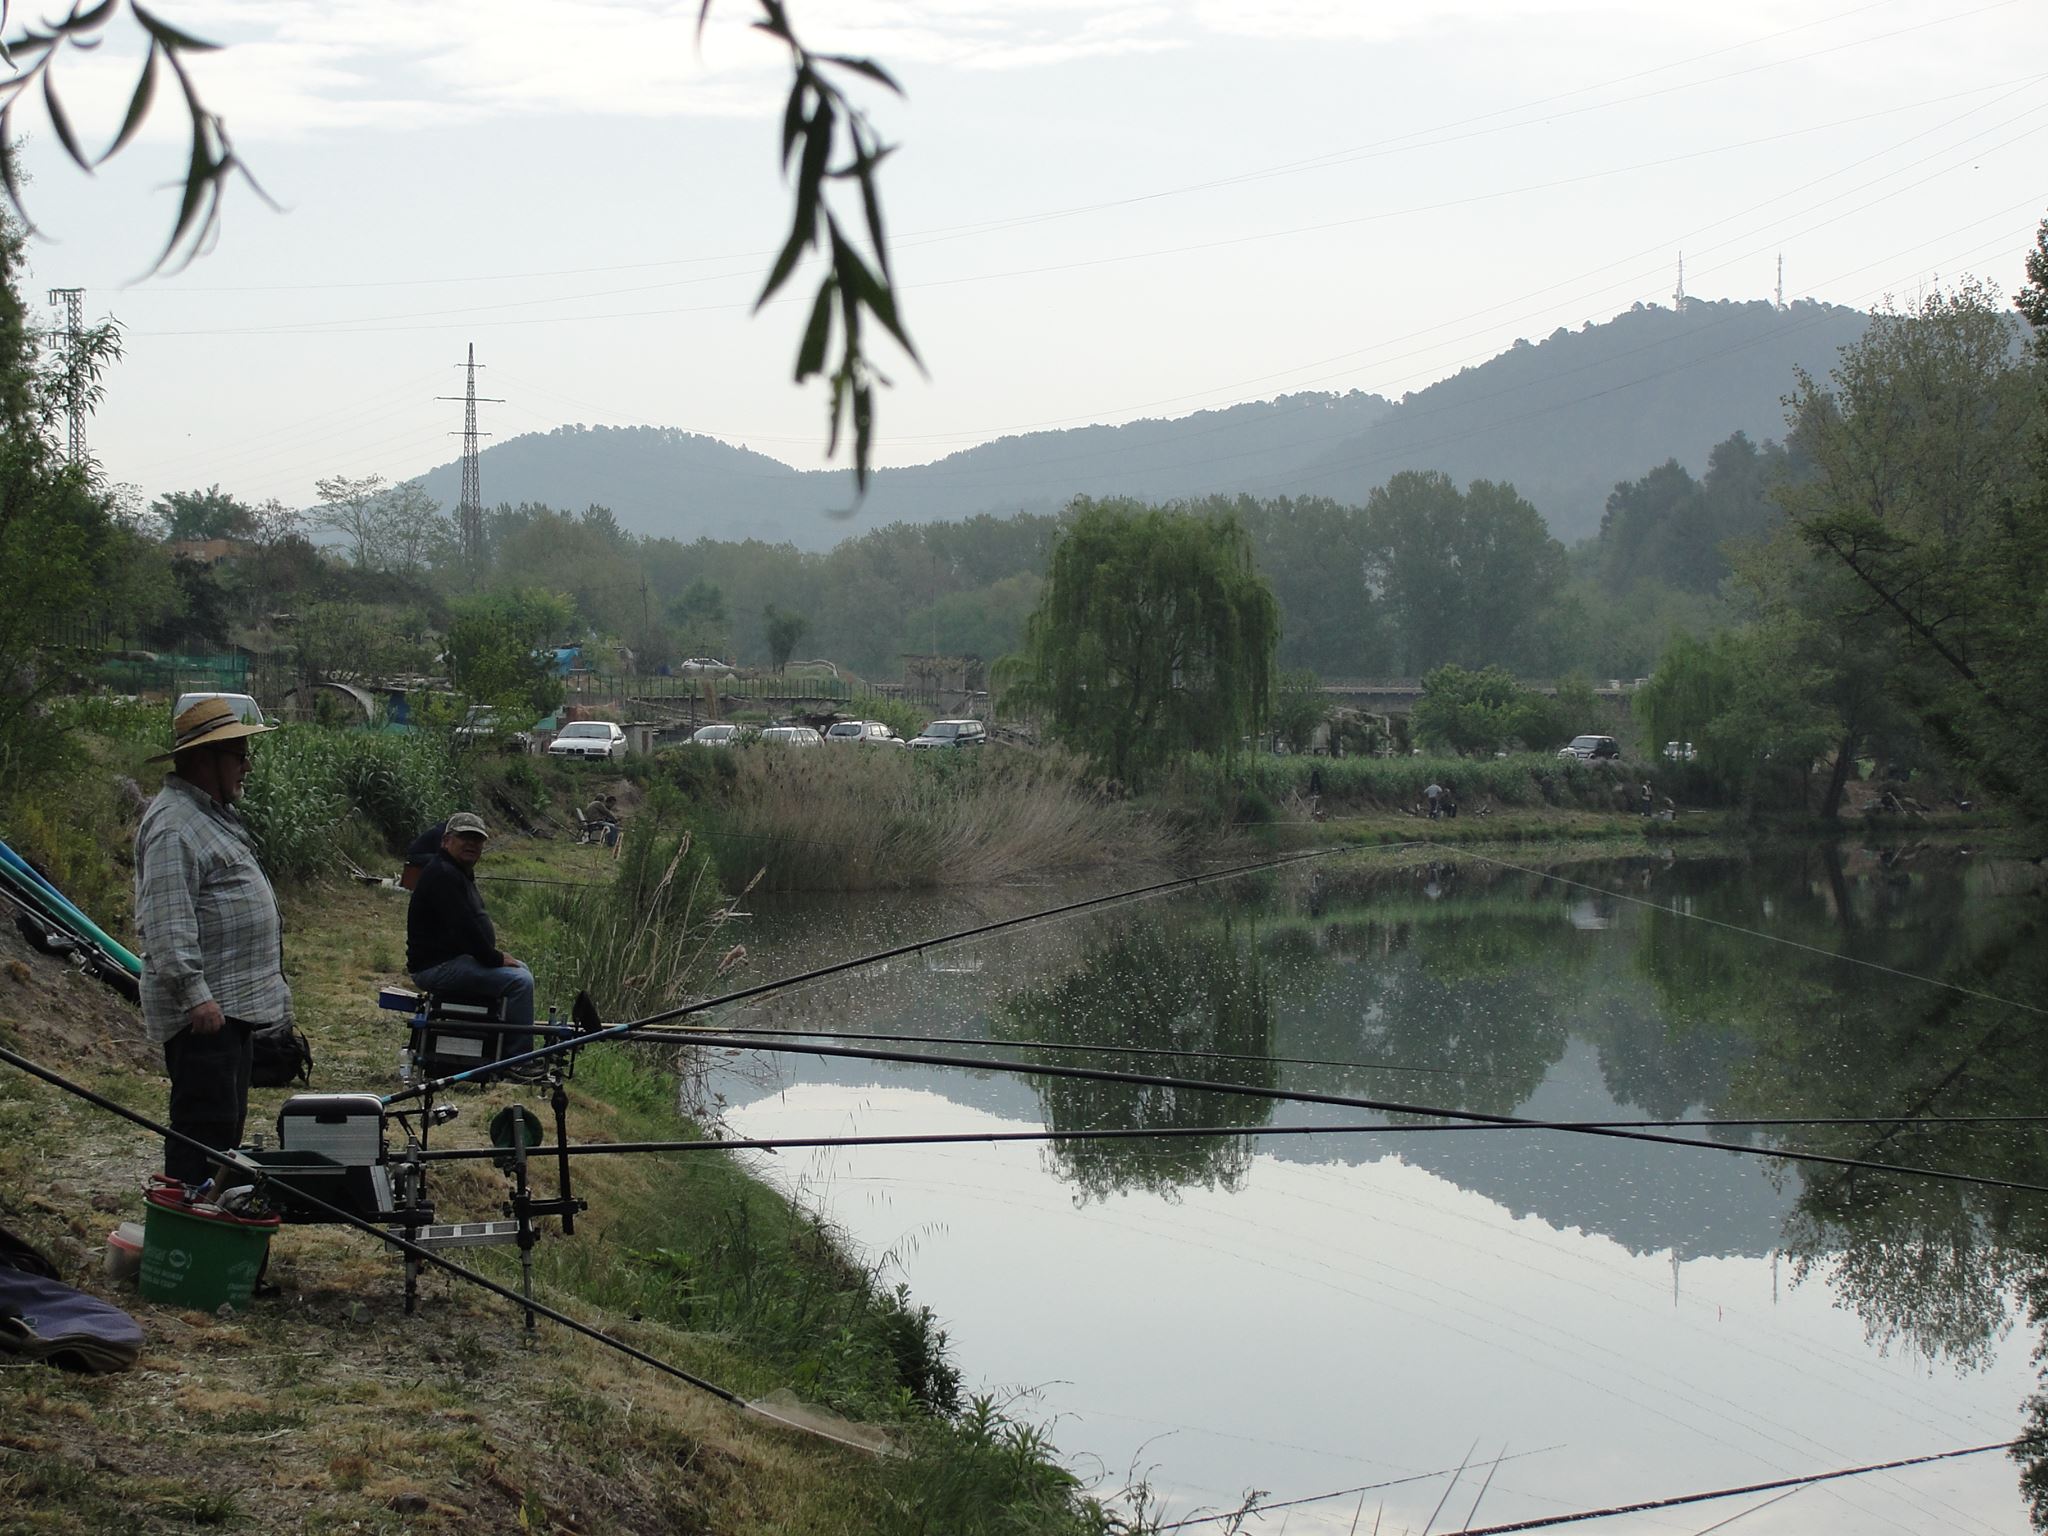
x,y
1167,988
1946,1270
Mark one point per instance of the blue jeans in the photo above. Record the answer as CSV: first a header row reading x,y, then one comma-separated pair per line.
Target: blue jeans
x,y
464,976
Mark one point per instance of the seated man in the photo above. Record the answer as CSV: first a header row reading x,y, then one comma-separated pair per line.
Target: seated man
x,y
450,946
602,816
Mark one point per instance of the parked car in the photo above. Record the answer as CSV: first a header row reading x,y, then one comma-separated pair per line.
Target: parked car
x,y
482,726
791,736
1590,749
704,664
589,740
245,708
861,733
720,735
951,733
1679,751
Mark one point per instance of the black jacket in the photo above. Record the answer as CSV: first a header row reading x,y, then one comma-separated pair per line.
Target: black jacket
x,y
447,919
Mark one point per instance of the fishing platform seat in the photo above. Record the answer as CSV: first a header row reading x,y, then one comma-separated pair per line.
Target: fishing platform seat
x,y
331,1147
453,1031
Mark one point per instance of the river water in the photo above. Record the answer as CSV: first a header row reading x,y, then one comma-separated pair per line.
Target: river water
x,y
1578,1322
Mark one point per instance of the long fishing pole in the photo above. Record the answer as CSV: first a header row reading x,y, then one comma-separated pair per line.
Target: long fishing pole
x,y
1103,1133
657,1032
838,967
1344,1101
257,1173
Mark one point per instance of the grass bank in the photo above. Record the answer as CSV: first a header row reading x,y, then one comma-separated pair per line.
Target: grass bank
x,y
328,1410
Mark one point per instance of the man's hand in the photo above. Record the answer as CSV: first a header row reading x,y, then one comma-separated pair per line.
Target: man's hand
x,y
506,962
206,1019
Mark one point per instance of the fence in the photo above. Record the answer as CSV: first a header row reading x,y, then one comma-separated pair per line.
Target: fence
x,y
227,673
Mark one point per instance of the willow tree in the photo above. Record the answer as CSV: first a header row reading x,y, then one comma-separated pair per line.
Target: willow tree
x,y
1153,638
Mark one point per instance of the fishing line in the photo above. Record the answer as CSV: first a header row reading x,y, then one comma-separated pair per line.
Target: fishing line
x,y
839,967
413,1250
1303,1096
1101,1050
1753,933
1103,1133
1727,1493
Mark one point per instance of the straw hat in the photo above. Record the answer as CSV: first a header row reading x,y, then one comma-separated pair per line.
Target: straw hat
x,y
208,723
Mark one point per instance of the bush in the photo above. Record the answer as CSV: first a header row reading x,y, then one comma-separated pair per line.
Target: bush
x,y
307,781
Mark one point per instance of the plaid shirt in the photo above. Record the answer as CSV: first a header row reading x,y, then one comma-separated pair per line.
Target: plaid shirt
x,y
205,915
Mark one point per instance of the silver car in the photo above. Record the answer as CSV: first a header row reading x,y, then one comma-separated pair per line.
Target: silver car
x,y
861,733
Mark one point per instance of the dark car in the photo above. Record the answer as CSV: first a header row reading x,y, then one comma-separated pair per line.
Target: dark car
x,y
1590,749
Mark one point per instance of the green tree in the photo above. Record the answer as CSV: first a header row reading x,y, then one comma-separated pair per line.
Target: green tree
x,y
785,629
1477,713
1923,492
1467,577
699,614
208,514
59,543
1299,706
1154,637
498,648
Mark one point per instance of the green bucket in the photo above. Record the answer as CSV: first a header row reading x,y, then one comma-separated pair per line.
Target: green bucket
x,y
201,1259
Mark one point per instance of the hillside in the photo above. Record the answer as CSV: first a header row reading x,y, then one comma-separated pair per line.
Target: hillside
x,y
1567,418
1564,419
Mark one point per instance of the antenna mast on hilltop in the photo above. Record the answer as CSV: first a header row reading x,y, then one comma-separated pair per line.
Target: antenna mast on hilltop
x,y
73,301
1678,293
1781,282
469,515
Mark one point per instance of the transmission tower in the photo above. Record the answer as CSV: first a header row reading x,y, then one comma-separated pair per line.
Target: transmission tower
x,y
469,515
72,335
1678,293
1781,282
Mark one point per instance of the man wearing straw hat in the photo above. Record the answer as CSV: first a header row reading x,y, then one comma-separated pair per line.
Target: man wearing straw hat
x,y
212,940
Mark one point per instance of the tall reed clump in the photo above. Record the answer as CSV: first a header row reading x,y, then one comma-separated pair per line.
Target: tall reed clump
x,y
863,818
637,943
308,782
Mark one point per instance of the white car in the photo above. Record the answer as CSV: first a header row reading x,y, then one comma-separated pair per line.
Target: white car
x,y
951,733
861,733
590,740
482,725
791,736
245,708
704,664
721,735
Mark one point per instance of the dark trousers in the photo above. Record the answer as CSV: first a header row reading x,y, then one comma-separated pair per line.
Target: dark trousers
x,y
209,1095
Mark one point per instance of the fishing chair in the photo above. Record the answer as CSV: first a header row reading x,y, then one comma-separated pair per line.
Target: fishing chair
x,y
451,1032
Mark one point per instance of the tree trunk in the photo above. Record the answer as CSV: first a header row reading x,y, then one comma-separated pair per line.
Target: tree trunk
x,y
1845,759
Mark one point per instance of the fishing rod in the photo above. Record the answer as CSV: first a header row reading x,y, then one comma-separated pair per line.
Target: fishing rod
x,y
259,1174
657,1032
594,1031
1106,1133
1342,1101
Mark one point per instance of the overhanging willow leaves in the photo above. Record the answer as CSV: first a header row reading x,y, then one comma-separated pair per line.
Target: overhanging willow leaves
x,y
211,161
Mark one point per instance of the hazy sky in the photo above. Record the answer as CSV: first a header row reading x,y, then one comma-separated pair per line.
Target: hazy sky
x,y
1102,212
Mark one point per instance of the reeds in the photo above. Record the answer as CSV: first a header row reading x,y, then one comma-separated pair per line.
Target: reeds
x,y
867,818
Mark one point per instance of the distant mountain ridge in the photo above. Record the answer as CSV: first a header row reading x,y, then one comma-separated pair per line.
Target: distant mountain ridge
x,y
1563,419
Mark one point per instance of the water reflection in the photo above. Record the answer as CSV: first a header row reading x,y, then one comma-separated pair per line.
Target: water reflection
x,y
1629,989
1161,989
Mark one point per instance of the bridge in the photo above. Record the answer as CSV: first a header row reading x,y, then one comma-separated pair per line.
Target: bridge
x,y
1397,696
